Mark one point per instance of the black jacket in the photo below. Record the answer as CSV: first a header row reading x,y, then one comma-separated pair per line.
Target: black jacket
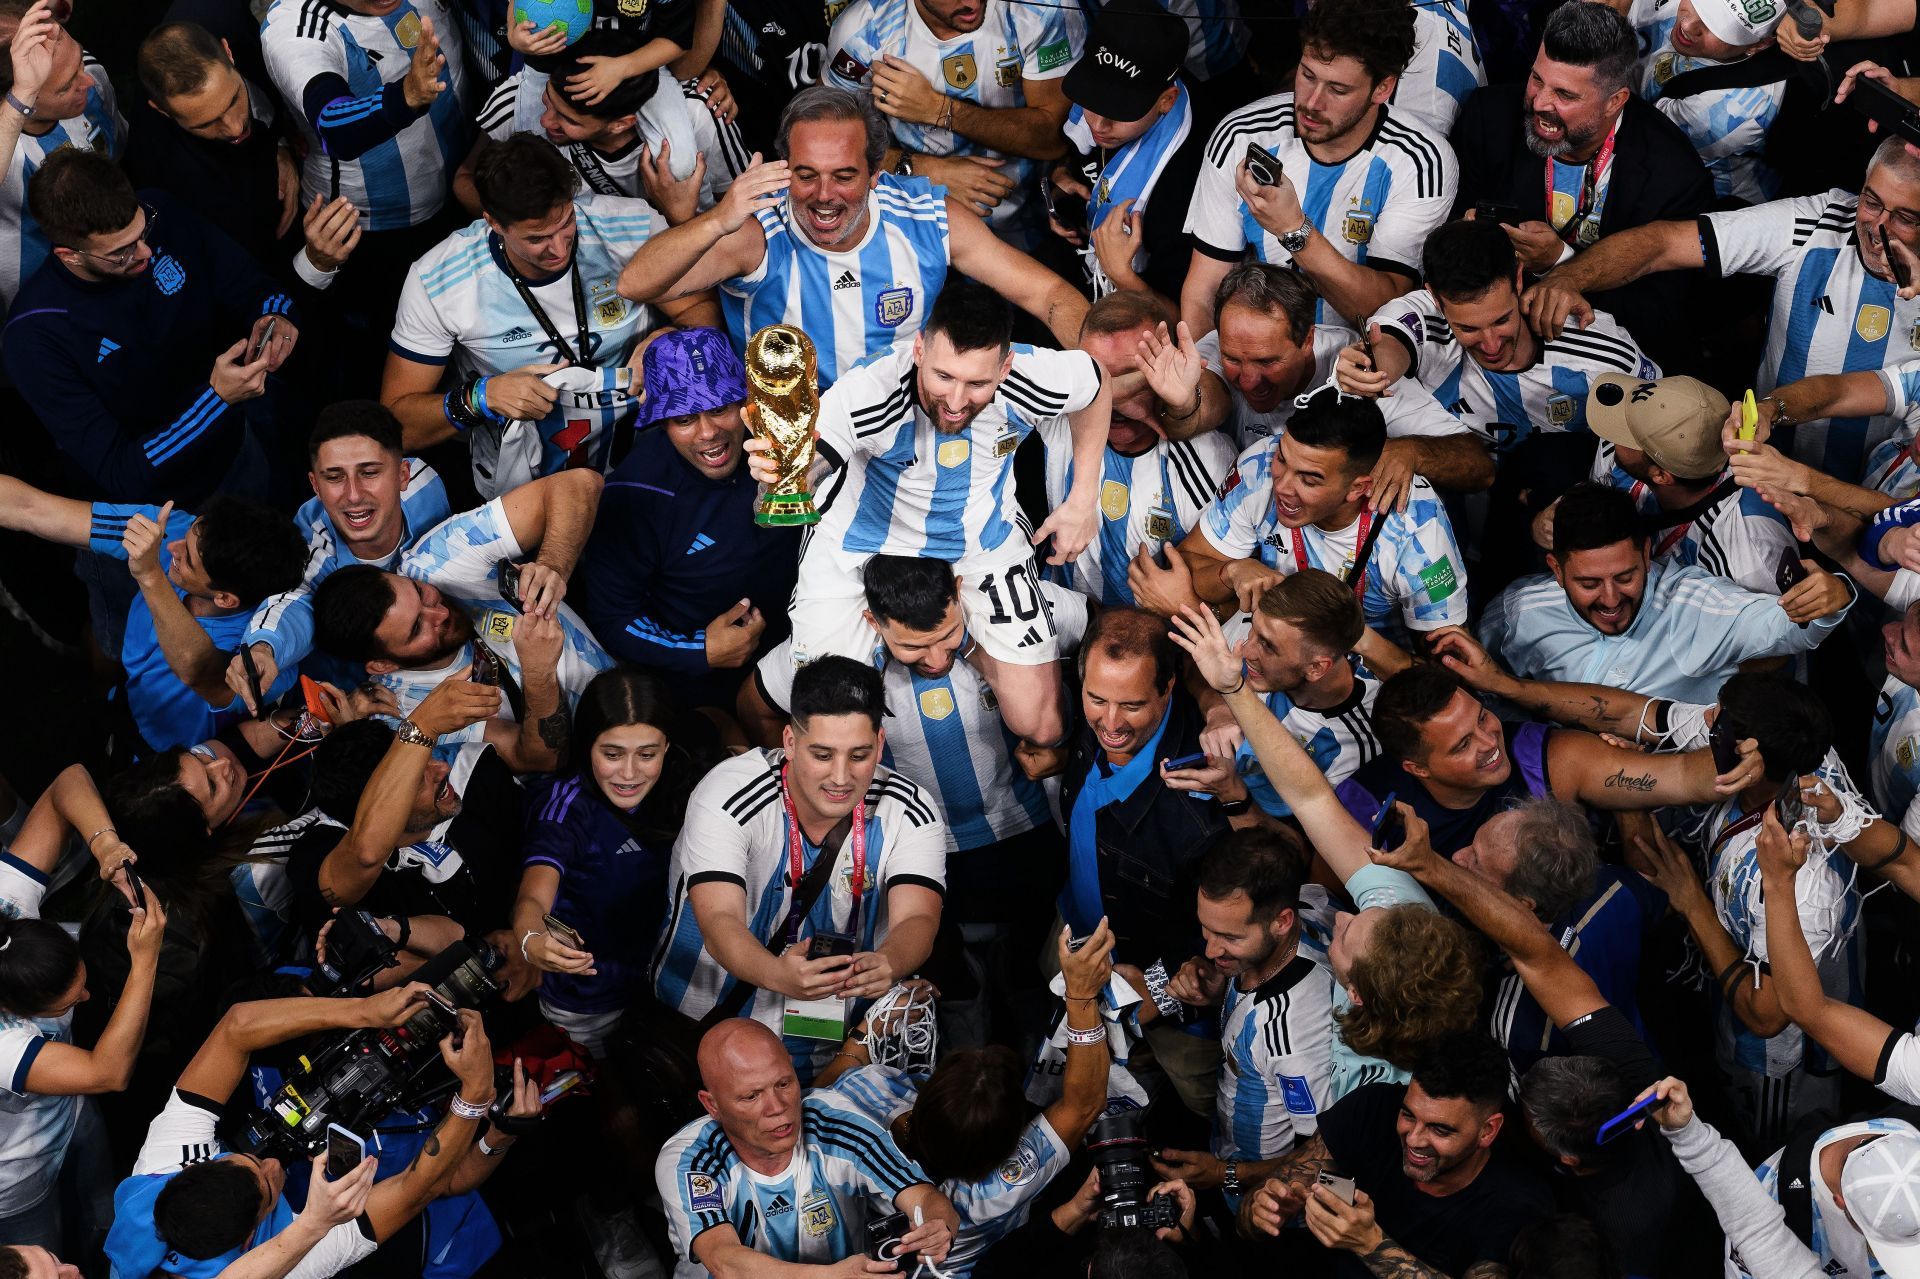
x,y
1149,846
1657,176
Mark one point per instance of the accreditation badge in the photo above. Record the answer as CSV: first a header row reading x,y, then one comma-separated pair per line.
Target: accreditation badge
x,y
407,30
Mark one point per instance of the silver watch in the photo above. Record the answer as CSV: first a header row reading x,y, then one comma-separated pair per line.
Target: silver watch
x,y
1296,239
1230,1180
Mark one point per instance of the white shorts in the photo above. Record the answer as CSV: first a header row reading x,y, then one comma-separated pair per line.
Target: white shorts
x,y
589,1030
1005,610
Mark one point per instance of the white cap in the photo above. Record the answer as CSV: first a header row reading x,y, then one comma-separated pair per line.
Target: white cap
x,y
1741,22
1881,1184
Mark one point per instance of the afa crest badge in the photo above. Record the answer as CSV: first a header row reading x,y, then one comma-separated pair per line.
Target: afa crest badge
x,y
892,307
168,274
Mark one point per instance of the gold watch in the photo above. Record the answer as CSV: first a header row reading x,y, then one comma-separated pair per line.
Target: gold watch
x,y
413,735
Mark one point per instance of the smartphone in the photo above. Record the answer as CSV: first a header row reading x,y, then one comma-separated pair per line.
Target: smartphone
x,y
134,886
565,934
1623,1122
1893,113
1788,806
883,1241
1263,166
1895,266
1749,416
508,574
1075,943
486,667
1494,211
1389,829
831,945
1789,572
1726,751
316,704
345,1150
266,336
1342,1186
1196,760
563,1083
1068,208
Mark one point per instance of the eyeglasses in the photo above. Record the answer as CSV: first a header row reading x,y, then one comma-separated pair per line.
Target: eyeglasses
x,y
125,257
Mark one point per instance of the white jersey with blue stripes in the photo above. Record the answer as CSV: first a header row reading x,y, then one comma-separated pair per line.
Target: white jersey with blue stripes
x,y
900,486
98,127
1892,467
460,558
402,181
1728,127
1740,537
1013,43
1152,498
1896,749
1339,738
1504,408
855,301
946,733
736,832
994,1206
1829,315
1446,66
1276,1067
844,1170
35,1128
284,622
1217,36
1376,207
1416,578
1838,1247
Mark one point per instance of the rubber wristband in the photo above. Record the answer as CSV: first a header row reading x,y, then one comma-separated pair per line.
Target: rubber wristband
x,y
531,934
18,105
1898,852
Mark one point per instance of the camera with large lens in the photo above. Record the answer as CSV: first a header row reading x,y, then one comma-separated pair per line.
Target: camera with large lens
x,y
1120,1153
356,1078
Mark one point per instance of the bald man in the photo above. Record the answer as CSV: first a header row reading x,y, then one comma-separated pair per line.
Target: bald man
x,y
774,1172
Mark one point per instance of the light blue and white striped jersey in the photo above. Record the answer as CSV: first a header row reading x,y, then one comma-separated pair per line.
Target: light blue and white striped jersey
x,y
736,831
1446,66
460,558
1217,36
284,622
1276,1067
1740,537
1013,43
399,182
1132,172
1829,315
1376,207
460,304
991,1208
1829,909
952,740
1410,410
34,1127
1506,407
1728,127
1838,1246
1156,496
855,302
98,127
900,486
1692,630
1416,578
845,1169
1339,738
1896,749
1892,467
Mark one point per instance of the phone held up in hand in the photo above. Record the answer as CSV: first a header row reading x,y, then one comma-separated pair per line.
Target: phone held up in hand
x,y
1389,828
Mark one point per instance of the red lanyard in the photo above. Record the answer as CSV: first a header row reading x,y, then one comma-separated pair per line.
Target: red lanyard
x,y
796,861
1301,561
1589,187
1671,540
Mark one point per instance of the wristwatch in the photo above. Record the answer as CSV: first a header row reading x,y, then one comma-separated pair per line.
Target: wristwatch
x,y
1230,1180
904,166
413,735
1235,807
1296,239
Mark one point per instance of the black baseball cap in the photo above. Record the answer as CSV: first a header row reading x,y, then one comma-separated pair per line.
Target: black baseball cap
x,y
1133,52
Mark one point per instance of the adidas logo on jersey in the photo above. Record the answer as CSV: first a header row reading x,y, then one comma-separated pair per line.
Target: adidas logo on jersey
x,y
1031,638
1796,1184
107,347
700,543
1823,303
515,334
779,1205
847,280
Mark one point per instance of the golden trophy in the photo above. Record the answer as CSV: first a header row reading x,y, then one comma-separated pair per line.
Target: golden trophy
x,y
782,408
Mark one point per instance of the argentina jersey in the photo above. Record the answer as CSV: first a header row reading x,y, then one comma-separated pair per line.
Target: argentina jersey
x,y
1728,127
986,67
854,302
1892,467
1217,36
1276,1065
1896,749
844,1169
284,622
736,831
1838,1247
1446,66
1740,536
1506,407
1829,314
1154,498
333,66
1339,738
903,487
994,1206
98,127
1410,410
1416,579
1376,207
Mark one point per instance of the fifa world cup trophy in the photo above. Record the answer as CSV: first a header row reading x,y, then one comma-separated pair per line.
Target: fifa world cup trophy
x,y
783,407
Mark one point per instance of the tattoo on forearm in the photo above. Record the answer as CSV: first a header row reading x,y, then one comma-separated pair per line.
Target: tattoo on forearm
x,y
1391,1261
554,730
1640,782
1601,711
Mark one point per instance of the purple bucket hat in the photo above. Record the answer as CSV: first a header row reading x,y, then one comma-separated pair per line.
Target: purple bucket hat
x,y
691,371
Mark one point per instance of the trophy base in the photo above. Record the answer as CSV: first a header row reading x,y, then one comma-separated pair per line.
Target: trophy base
x,y
785,510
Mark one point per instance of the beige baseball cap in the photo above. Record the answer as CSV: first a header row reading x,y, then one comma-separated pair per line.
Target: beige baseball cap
x,y
1675,421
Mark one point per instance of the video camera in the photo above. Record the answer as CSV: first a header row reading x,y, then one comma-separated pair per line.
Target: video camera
x,y
1120,1152
357,1078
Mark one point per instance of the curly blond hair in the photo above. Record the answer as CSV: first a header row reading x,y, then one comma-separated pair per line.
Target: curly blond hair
x,y
1419,980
